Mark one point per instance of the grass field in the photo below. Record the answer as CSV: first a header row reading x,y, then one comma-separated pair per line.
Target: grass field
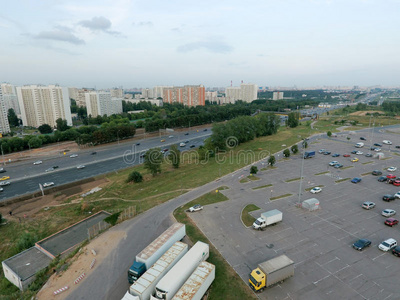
x,y
247,219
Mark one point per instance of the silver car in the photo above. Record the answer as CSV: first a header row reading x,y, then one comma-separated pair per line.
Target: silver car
x,y
388,212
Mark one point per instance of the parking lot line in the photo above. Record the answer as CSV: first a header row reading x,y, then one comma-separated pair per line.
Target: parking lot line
x,y
379,255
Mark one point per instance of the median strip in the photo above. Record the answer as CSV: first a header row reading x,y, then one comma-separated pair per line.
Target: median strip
x,y
262,186
293,179
341,180
279,197
365,174
248,219
368,162
322,173
348,167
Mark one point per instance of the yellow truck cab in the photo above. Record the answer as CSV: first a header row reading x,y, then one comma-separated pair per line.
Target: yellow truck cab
x,y
257,280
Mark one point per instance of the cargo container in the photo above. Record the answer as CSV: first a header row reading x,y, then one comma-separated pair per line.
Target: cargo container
x,y
268,218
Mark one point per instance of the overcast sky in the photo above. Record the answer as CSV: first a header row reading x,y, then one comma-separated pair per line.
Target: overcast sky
x,y
143,43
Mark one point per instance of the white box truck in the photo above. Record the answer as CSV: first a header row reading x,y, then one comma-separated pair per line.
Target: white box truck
x,y
167,287
145,285
270,272
198,283
149,255
268,218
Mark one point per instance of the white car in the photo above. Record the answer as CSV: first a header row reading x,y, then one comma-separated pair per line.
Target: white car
x,y
1,189
377,149
37,162
196,207
4,183
387,142
332,163
316,190
359,153
182,144
387,245
368,205
388,212
50,169
81,167
73,155
171,136
47,184
392,169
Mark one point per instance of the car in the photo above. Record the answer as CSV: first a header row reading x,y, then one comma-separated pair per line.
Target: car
x,y
376,172
334,135
391,222
182,145
391,169
186,142
50,169
388,197
196,207
316,190
378,145
338,166
142,155
396,182
359,153
47,184
356,180
391,176
37,162
73,155
386,142
398,146
388,212
327,152
377,149
363,138
368,205
2,170
368,155
4,178
187,133
171,136
321,151
165,150
346,155
361,244
162,141
81,167
391,181
1,189
55,167
382,179
332,163
396,251
335,155
355,159
94,152
387,244
192,146
4,183
354,152
205,129
373,148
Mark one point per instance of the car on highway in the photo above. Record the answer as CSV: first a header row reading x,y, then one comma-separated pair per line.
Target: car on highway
x,y
187,133
338,166
73,155
391,222
390,176
81,167
396,251
386,142
50,169
388,197
162,141
355,159
335,155
4,183
387,244
55,167
391,169
205,129
376,172
346,155
361,244
316,190
388,212
1,189
382,179
368,155
378,145
396,182
363,138
368,205
94,152
4,178
48,184
192,146
165,150
196,207
171,136
2,170
38,162
359,153
182,145
356,180
332,163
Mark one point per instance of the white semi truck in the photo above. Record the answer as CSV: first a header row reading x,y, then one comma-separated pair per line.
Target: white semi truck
x,y
268,218
167,287
149,255
198,283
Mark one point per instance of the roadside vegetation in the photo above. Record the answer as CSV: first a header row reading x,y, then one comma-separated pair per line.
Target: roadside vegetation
x,y
248,219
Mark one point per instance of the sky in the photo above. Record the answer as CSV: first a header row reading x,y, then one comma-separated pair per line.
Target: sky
x,y
144,43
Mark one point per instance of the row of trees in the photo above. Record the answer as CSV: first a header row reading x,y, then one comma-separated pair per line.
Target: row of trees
x,y
391,107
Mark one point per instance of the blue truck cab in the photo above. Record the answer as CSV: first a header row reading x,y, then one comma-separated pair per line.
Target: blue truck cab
x,y
309,154
135,271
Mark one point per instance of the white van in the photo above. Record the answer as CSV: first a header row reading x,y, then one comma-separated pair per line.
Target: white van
x,y
359,145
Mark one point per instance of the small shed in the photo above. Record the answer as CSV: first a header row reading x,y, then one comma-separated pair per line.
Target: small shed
x,y
311,204
379,155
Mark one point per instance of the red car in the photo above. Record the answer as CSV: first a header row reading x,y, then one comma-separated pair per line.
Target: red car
x,y
346,155
390,176
390,222
396,182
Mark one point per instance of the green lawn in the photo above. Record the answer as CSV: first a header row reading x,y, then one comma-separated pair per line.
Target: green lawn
x,y
247,219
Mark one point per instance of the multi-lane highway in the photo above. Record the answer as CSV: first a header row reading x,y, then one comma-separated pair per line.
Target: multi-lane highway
x,y
25,177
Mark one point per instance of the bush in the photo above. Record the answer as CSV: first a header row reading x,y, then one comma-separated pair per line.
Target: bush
x,y
135,176
329,134
286,153
272,160
295,149
25,241
112,219
253,170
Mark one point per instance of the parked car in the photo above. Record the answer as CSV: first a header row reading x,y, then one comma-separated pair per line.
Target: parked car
x,y
4,178
355,159
391,169
368,205
376,172
390,176
47,184
363,138
398,146
346,155
4,183
332,163
354,152
316,190
388,197
165,150
368,155
359,153
2,170
321,151
337,166
391,222
386,142
377,149
171,136
378,145
373,148
391,181
37,162
327,152
361,244
1,189
382,179
388,212
196,207
81,167
397,195
396,182
73,155
387,245
335,155
396,251
356,180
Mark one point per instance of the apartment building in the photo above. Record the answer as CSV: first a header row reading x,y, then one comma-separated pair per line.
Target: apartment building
x,y
117,93
10,97
189,95
246,92
277,96
43,104
101,103
4,125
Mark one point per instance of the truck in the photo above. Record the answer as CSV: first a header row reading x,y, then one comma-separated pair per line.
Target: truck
x,y
198,283
359,145
268,218
167,287
149,255
309,154
270,272
142,288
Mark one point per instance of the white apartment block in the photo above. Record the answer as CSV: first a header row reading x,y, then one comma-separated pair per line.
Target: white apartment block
x,y
157,102
4,125
247,92
43,104
158,91
232,94
10,98
99,103
277,96
147,93
117,93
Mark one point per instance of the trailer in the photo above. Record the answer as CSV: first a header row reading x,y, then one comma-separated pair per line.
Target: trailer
x,y
149,255
198,283
167,287
270,272
268,218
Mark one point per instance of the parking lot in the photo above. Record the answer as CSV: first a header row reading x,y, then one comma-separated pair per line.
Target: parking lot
x,y
319,242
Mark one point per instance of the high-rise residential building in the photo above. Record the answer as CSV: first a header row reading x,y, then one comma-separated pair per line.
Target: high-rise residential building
x,y
246,92
147,93
43,104
277,96
158,91
4,125
117,93
10,97
232,94
99,103
189,95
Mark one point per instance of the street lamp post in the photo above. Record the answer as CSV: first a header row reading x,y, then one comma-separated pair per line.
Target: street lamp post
x,y
301,172
118,136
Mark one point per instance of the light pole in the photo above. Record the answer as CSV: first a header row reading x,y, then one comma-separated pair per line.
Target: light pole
x,y
118,136
301,172
2,153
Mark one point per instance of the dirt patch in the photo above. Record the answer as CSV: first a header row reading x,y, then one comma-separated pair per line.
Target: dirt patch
x,y
364,113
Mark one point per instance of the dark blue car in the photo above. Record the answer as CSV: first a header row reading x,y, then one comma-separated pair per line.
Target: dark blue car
x,y
361,244
336,155
356,180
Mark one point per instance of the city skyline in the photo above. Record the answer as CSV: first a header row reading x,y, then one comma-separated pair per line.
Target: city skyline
x,y
107,44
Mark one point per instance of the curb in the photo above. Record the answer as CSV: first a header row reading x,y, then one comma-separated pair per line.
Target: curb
x,y
61,290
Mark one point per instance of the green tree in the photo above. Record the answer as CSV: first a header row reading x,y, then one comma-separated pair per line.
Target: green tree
x,y
153,160
35,142
45,128
253,170
174,156
305,144
295,149
271,160
12,118
1,219
135,176
329,134
293,119
62,124
286,153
